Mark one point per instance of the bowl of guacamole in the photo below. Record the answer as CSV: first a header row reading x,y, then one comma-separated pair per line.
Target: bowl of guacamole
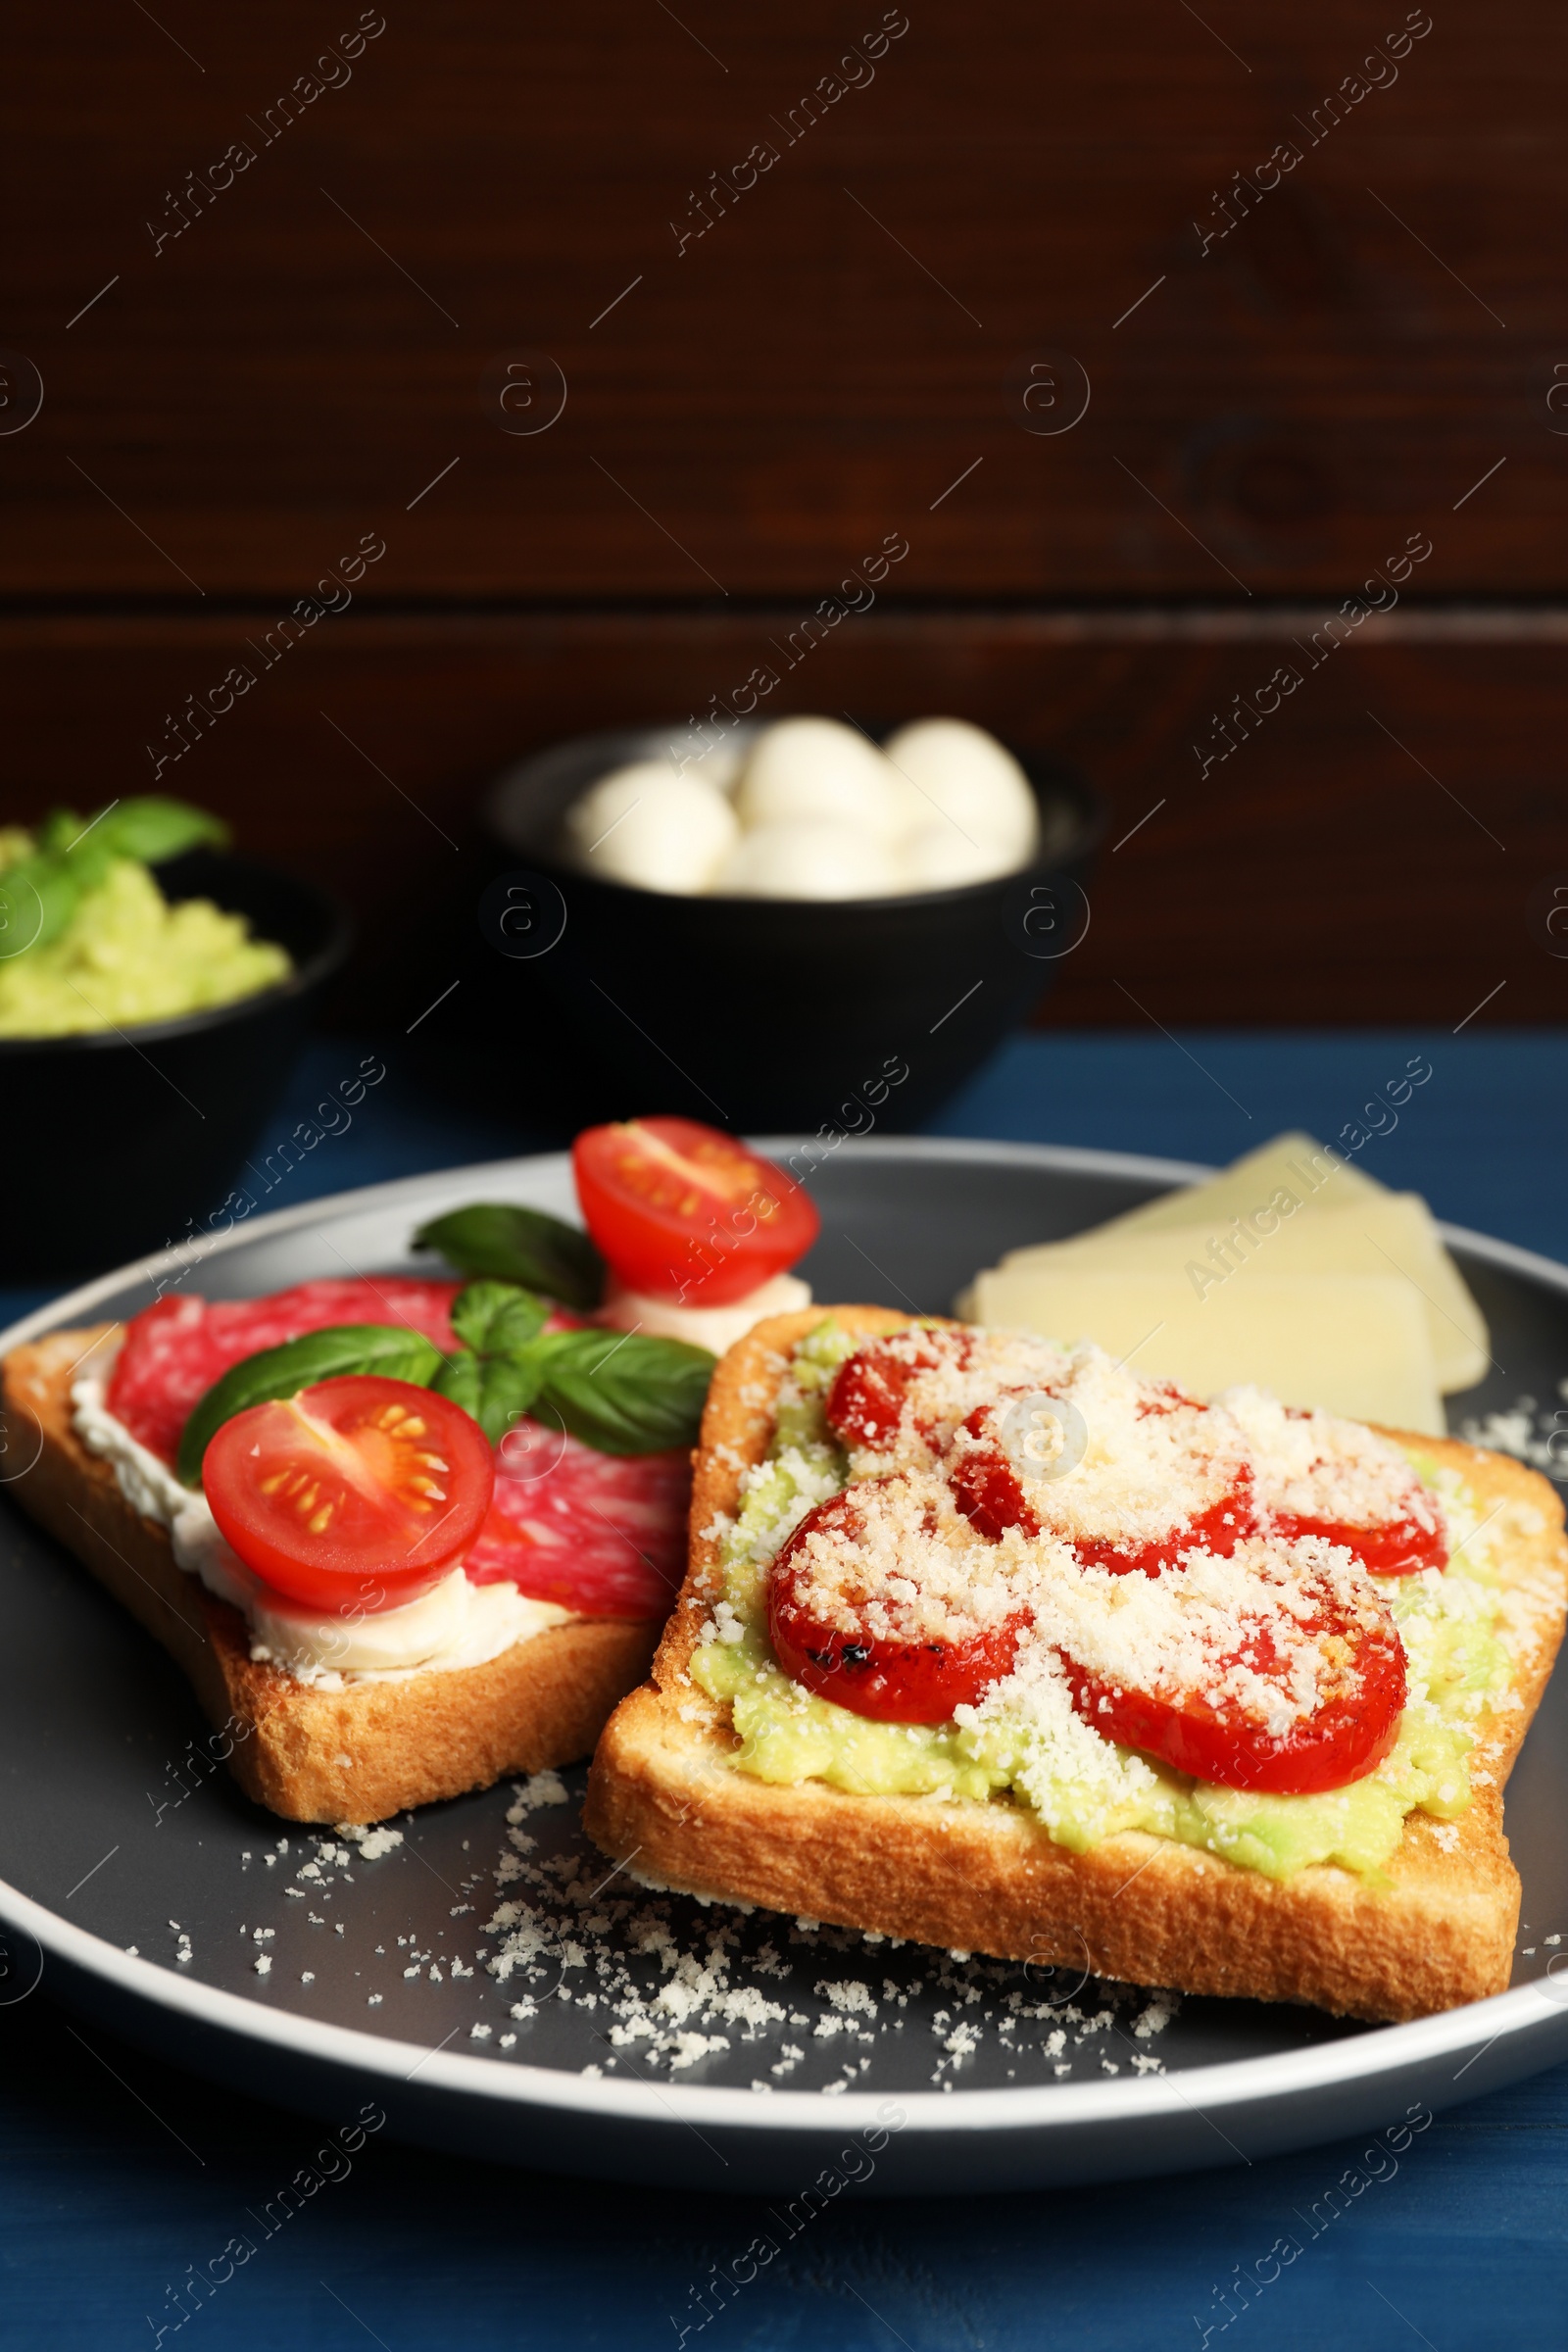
x,y
155,987
88,941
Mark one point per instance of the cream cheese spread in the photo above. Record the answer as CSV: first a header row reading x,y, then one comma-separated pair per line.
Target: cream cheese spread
x,y
457,1623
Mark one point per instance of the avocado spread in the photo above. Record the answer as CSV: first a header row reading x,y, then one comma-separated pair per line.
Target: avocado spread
x,y
1083,1788
88,941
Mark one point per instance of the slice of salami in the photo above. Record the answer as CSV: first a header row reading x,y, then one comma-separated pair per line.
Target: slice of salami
x,y
600,1533
173,1353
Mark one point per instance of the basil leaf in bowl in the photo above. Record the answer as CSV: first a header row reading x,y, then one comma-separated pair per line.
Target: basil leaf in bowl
x,y
73,853
154,829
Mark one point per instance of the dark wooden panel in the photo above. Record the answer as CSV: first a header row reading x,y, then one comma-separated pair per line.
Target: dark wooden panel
x,y
1368,852
295,367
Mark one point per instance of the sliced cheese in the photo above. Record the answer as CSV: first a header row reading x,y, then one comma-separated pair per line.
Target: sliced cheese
x,y
1357,1344
1290,1232
1295,1161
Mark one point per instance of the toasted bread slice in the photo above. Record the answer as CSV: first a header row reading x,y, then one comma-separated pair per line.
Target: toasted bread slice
x,y
985,1877
355,1754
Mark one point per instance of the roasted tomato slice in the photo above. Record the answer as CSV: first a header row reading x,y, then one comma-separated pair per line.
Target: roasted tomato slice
x,y
1321,1476
682,1211
866,1403
1346,1736
1218,1530
358,1491
1399,1547
990,1493
987,1488
891,1679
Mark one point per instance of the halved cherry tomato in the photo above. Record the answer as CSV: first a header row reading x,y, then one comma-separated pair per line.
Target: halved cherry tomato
x,y
682,1211
866,1403
358,1490
1398,1548
892,1681
989,1492
1346,1736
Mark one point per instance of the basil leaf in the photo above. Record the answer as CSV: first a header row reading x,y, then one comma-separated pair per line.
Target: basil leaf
x,y
493,1390
89,863
38,900
500,1239
381,1348
625,1391
154,828
39,893
54,836
75,845
497,1318
459,1379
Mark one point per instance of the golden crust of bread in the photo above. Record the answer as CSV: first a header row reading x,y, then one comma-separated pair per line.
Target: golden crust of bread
x,y
355,1754
985,1877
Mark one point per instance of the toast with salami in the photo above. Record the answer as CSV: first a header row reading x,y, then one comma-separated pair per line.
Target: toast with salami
x,y
824,1830
408,1535
341,1746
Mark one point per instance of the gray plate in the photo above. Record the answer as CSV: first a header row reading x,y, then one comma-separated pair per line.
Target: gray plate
x,y
118,1829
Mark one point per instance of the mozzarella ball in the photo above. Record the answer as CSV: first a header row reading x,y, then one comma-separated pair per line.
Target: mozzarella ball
x,y
716,760
717,1328
939,858
811,860
972,782
814,769
650,828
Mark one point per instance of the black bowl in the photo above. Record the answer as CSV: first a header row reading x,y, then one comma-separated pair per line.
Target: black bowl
x,y
766,1012
123,1140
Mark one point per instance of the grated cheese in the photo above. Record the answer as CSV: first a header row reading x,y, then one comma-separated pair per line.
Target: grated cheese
x,y
899,1562
1316,1465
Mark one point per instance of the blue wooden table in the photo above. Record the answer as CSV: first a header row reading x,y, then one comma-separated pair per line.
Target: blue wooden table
x,y
116,2177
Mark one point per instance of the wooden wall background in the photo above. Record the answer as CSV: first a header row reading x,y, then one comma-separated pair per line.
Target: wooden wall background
x,y
244,377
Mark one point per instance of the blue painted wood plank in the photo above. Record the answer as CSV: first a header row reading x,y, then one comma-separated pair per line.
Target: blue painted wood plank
x,y
108,2205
